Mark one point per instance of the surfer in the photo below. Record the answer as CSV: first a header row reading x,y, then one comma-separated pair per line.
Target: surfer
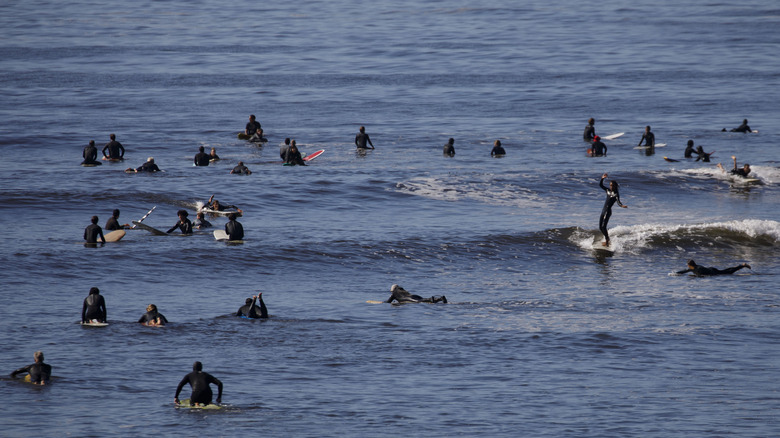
x,y
240,169
252,126
152,317
744,128
40,373
743,172
184,224
249,309
233,228
648,137
598,147
590,131
701,271
201,222
201,158
94,307
293,157
400,294
92,232
149,166
113,222
689,150
258,137
613,195
90,154
199,382
449,148
115,149
362,138
213,155
498,150
284,147
703,156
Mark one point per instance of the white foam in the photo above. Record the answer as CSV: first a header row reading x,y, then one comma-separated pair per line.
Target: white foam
x,y
457,188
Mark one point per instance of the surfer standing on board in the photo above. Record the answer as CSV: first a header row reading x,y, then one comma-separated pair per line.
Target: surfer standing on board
x,y
403,297
743,172
362,138
613,195
249,309
115,149
40,373
590,131
94,307
92,232
701,271
201,391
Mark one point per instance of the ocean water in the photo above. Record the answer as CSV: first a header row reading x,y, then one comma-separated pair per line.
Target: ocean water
x,y
544,333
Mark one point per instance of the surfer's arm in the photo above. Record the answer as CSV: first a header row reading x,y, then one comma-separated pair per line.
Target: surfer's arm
x,y
219,389
178,388
390,300
84,312
683,271
263,309
21,370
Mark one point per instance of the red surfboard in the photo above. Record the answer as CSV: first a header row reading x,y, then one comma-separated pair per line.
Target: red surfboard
x,y
313,155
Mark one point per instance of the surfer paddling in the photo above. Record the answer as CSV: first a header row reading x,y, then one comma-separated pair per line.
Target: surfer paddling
x,y
90,154
743,172
400,295
250,309
240,169
744,128
613,195
701,271
39,372
199,382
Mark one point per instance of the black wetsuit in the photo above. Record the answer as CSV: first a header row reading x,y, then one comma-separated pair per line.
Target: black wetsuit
x,y
148,167
739,172
689,150
235,230
703,156
112,224
201,391
250,310
701,271
403,297
92,232
449,149
201,223
94,308
497,150
742,128
648,138
606,212
202,159
185,226
589,133
361,139
153,316
599,148
115,149
252,127
293,158
39,372
283,150
241,170
90,155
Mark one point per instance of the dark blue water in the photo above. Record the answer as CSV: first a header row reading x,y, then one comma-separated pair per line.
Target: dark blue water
x,y
543,335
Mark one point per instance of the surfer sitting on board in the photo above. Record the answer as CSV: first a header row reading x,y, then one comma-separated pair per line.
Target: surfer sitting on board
x,y
701,271
402,296
40,373
184,224
613,195
249,310
94,307
703,156
90,154
252,126
293,156
233,228
202,158
201,222
362,138
449,148
590,131
648,137
152,317
93,230
201,391
113,222
115,149
498,150
743,172
598,147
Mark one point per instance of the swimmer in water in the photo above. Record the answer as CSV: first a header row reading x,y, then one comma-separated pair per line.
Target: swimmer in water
x,y
201,222
613,195
403,297
90,154
598,147
202,158
648,137
701,271
201,391
249,310
115,149
40,373
689,150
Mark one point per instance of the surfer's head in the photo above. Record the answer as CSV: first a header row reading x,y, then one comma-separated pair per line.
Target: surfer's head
x,y
38,356
201,149
248,301
150,159
691,264
92,142
497,143
115,213
596,138
197,366
151,308
363,129
690,143
251,117
744,122
112,136
591,121
613,185
232,217
287,140
94,219
647,128
94,291
182,213
452,141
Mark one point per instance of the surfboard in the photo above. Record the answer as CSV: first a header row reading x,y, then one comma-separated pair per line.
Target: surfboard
x,y
115,236
221,212
154,231
613,136
313,155
243,136
91,164
185,404
671,159
113,160
221,235
374,302
94,323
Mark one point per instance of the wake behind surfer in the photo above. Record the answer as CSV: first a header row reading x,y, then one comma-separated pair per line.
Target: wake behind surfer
x,y
93,231
201,391
250,309
115,149
201,158
184,224
648,137
590,131
233,228
402,296
94,307
613,195
90,154
113,222
153,317
39,372
701,271
449,148
361,139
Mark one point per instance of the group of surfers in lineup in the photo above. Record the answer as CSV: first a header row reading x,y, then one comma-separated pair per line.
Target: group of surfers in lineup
x,y
94,307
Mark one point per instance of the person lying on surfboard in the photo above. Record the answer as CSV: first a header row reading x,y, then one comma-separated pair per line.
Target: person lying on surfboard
x,y
94,307
701,271
213,204
249,310
149,166
240,169
403,297
39,372
743,172
201,391
152,317
744,128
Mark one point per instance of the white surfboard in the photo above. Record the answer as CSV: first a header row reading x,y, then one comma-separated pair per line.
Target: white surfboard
x,y
221,235
613,136
115,236
94,323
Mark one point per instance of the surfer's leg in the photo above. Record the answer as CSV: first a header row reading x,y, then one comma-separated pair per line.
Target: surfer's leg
x,y
603,221
732,270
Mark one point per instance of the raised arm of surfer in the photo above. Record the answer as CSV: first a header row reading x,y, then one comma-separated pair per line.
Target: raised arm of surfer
x,y
744,171
249,309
